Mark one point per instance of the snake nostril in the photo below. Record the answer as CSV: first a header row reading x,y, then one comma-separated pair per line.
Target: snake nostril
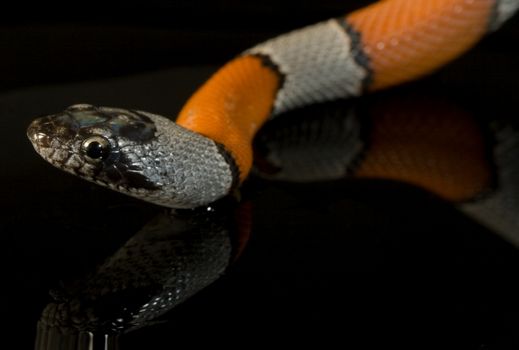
x,y
36,134
40,139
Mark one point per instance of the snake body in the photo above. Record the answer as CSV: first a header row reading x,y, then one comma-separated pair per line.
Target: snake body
x,y
207,152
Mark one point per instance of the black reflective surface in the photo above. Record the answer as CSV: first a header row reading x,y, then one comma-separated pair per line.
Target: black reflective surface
x,y
338,262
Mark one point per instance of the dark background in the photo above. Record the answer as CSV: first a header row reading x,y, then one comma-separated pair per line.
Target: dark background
x,y
411,270
50,41
45,42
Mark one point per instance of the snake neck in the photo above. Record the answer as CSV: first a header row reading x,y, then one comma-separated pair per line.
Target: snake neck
x,y
194,169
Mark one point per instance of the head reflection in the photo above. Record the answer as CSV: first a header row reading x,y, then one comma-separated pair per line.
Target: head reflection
x,y
169,260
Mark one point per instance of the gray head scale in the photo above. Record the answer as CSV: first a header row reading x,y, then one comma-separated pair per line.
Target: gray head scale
x,y
134,152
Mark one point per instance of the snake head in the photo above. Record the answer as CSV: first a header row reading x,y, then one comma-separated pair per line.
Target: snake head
x,y
134,152
90,142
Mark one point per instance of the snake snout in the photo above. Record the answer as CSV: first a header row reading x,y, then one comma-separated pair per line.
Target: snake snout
x,y
52,130
37,133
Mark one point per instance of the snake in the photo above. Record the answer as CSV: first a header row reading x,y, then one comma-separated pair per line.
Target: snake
x,y
206,152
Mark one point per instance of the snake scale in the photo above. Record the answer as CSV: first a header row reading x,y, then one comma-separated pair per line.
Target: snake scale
x,y
207,152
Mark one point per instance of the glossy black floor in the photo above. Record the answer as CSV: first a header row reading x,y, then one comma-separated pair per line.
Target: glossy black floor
x,y
346,262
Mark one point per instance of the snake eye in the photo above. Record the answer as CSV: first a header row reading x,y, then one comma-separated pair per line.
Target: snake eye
x,y
96,148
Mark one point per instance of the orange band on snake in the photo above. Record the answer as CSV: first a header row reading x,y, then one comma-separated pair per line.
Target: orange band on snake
x,y
232,106
407,39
